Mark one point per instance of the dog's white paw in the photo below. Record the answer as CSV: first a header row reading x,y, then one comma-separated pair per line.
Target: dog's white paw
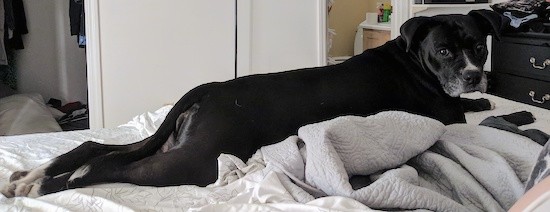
x,y
24,183
34,191
9,190
21,189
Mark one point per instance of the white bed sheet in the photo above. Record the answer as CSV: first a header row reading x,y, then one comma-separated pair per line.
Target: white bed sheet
x,y
247,194
504,107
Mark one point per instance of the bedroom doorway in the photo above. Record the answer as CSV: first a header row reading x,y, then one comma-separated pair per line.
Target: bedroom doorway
x,y
347,22
49,60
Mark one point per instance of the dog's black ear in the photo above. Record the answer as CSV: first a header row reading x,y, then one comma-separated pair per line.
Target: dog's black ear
x,y
414,28
490,22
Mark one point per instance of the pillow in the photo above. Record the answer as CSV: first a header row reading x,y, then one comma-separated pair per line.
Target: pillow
x,y
25,114
6,90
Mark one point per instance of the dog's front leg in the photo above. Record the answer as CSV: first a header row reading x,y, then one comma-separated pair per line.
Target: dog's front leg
x,y
476,105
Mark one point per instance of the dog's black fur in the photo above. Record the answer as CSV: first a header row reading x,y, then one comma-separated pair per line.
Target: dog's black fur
x,y
421,72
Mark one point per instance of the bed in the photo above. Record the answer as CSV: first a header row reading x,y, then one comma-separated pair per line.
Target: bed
x,y
246,186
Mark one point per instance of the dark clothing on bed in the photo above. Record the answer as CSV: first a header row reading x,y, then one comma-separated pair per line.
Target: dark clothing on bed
x,y
510,123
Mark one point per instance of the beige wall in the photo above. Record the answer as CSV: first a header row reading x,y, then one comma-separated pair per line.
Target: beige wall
x,y
372,4
344,18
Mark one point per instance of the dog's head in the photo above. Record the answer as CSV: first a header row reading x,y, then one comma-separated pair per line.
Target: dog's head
x,y
453,47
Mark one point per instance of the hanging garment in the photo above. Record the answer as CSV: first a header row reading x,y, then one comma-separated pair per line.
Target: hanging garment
x,y
77,20
3,56
82,33
14,40
9,18
75,10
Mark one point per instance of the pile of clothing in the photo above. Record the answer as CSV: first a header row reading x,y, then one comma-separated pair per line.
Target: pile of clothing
x,y
75,114
526,15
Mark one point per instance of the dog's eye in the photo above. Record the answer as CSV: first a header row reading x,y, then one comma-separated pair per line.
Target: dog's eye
x,y
480,47
444,52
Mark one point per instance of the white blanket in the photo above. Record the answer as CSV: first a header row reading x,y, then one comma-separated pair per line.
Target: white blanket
x,y
414,163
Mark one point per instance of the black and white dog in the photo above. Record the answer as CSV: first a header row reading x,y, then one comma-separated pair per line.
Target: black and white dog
x,y
423,72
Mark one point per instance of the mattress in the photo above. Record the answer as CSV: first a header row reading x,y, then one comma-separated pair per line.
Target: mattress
x,y
267,193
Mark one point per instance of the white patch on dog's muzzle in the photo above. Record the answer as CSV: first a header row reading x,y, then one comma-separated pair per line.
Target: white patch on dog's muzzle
x,y
458,84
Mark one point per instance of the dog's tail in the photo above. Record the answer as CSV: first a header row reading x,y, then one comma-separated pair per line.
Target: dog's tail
x,y
168,126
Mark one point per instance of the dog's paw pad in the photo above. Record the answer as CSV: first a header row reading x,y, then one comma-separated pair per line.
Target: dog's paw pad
x,y
18,175
9,190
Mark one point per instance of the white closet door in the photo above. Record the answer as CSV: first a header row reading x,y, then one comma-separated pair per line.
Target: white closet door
x,y
153,52
279,35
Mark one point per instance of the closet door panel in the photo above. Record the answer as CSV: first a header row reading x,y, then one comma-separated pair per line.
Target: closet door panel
x,y
153,52
280,35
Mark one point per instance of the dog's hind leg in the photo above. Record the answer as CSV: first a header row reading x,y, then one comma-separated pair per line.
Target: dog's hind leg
x,y
178,167
60,168
63,166
87,151
21,182
188,160
28,183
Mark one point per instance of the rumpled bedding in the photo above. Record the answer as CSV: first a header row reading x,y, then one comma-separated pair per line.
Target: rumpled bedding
x,y
264,183
260,192
413,162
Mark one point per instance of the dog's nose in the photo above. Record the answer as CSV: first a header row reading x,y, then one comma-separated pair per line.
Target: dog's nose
x,y
472,77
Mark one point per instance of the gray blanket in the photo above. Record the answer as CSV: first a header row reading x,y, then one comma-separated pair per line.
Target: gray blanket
x,y
413,162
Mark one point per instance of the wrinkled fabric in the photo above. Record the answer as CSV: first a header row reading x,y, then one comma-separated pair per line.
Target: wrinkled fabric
x,y
469,167
248,186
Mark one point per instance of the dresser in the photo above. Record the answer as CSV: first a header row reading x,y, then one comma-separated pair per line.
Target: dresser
x,y
521,68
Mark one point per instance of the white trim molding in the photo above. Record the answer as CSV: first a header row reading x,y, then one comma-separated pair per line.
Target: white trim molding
x,y
401,13
322,32
93,61
244,37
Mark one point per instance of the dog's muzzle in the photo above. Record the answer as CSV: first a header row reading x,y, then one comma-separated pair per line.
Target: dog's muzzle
x,y
472,78
474,81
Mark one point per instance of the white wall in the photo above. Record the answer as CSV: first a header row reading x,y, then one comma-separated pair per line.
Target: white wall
x,y
51,63
153,52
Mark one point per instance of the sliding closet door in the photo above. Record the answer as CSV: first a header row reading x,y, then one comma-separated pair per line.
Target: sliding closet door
x,y
279,35
153,52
